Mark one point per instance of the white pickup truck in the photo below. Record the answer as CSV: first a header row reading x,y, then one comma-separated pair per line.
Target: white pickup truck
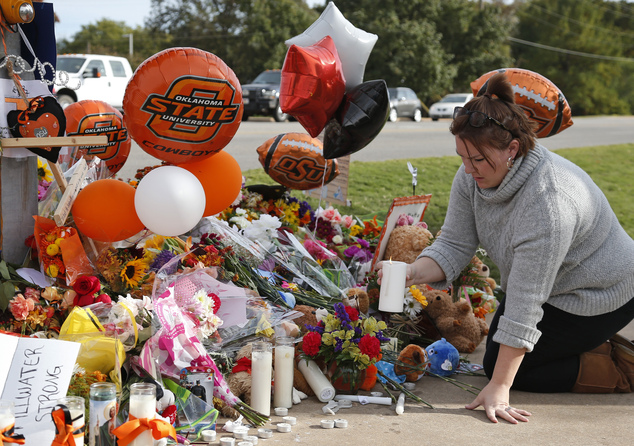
x,y
92,76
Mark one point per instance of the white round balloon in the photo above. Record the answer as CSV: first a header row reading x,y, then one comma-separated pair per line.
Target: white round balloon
x,y
170,201
354,45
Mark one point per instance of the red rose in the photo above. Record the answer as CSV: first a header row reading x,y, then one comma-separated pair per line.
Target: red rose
x,y
311,343
86,285
82,301
103,298
216,300
353,313
369,345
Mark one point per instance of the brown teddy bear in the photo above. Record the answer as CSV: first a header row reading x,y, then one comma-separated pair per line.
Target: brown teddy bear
x,y
309,317
455,321
407,242
412,362
239,381
357,298
482,270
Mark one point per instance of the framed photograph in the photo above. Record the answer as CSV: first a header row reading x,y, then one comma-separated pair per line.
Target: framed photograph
x,y
199,381
413,206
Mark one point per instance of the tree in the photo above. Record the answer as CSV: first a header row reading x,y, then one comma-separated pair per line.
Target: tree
x,y
107,37
248,35
580,52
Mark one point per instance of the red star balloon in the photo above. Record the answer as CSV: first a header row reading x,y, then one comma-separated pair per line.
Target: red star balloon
x,y
313,85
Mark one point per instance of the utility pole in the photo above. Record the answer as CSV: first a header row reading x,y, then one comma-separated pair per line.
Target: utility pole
x,y
130,42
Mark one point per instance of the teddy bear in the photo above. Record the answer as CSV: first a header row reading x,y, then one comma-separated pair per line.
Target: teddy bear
x,y
484,272
412,362
406,242
455,321
357,298
308,317
239,380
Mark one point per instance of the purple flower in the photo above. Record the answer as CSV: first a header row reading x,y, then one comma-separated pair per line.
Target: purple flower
x,y
339,345
161,259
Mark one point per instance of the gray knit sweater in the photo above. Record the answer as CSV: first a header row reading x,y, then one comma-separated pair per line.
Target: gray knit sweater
x,y
551,232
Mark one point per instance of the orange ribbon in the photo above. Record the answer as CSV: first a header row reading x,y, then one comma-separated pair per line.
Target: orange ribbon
x,y
134,426
7,436
64,433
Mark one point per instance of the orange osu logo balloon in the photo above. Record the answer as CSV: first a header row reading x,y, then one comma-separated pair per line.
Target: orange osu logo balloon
x,y
183,105
86,118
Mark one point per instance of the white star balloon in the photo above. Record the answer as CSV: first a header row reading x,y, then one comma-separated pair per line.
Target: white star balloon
x,y
353,44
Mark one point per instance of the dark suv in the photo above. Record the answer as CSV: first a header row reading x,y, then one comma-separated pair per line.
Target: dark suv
x,y
262,96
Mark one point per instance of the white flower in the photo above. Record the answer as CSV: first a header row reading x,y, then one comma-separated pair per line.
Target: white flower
x,y
239,221
411,306
337,239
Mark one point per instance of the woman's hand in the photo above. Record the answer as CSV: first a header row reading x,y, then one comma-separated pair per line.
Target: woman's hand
x,y
494,398
423,270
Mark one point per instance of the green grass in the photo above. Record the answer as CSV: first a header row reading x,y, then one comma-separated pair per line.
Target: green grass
x,y
373,185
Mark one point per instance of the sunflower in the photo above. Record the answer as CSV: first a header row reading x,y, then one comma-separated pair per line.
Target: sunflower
x,y
133,271
42,171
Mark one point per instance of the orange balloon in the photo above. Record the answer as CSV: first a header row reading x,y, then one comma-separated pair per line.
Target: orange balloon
x,y
221,178
104,211
91,117
183,105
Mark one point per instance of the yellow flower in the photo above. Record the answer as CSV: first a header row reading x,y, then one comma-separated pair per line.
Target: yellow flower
x,y
133,272
355,229
52,270
52,249
42,171
155,242
418,295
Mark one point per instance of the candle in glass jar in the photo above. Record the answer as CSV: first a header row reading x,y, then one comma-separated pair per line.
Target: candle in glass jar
x,y
284,372
77,408
7,415
316,380
392,294
103,410
143,405
261,374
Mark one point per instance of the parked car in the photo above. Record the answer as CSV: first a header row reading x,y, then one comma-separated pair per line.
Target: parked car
x,y
404,103
444,108
93,76
262,96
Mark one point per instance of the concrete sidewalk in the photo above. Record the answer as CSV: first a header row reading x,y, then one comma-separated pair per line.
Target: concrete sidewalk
x,y
557,419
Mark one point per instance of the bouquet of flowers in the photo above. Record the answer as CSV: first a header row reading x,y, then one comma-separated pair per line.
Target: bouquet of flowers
x,y
345,337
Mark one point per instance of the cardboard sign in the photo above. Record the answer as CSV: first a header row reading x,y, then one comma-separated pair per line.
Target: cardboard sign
x,y
34,374
337,190
413,206
72,189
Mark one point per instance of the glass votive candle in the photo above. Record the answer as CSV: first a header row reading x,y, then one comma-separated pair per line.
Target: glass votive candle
x,y
7,415
143,405
76,405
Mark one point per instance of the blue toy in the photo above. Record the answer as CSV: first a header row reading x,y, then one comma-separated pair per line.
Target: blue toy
x,y
444,358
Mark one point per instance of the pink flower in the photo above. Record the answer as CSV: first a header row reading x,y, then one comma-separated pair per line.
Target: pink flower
x,y
21,307
347,221
404,220
331,214
32,293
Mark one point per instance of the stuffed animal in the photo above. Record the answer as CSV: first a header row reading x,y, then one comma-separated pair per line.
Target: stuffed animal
x,y
407,242
357,298
239,380
482,270
309,317
444,358
412,362
455,321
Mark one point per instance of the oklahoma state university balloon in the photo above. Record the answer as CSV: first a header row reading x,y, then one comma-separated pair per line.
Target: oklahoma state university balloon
x,y
183,105
88,117
296,160
542,101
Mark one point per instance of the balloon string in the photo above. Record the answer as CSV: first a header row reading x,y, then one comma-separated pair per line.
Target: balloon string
x,y
321,191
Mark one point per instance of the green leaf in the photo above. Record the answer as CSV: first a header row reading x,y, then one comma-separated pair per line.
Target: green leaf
x,y
4,270
7,291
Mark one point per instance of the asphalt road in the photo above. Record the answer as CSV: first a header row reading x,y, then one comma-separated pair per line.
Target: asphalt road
x,y
402,139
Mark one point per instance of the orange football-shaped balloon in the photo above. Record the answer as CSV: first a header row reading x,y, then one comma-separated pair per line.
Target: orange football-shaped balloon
x,y
89,118
296,160
183,105
540,98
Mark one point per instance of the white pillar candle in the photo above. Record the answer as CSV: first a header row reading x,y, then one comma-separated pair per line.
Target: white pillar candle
x,y
284,372
143,405
261,374
392,294
76,406
316,380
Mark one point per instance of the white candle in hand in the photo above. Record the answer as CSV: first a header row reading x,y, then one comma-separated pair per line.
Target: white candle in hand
x,y
392,294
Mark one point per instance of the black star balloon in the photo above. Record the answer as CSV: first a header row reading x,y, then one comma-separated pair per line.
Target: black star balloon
x,y
359,119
